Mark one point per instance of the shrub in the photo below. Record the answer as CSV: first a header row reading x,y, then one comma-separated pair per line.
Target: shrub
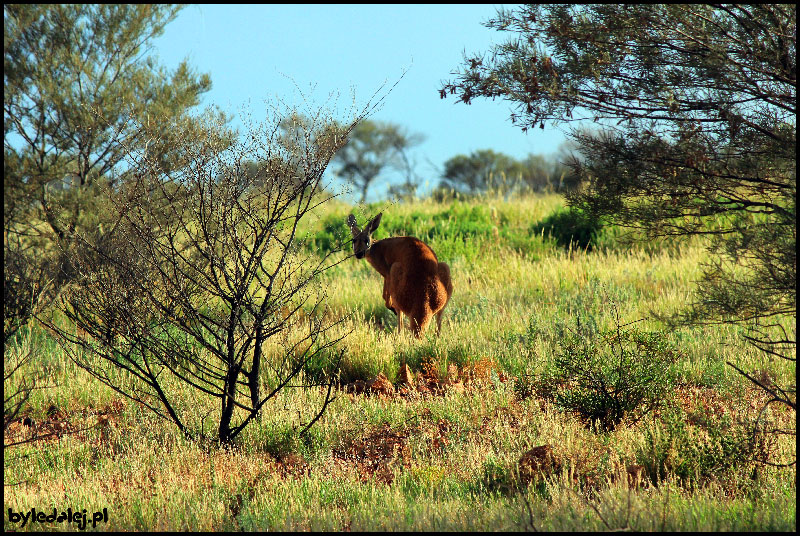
x,y
607,376
201,275
571,226
697,448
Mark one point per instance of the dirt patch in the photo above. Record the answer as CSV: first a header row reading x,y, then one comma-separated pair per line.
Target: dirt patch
x,y
292,465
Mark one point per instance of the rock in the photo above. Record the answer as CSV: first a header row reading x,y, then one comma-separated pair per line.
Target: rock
x,y
636,475
357,387
405,376
538,462
381,385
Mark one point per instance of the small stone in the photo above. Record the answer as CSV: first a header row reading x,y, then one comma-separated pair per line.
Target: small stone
x,y
537,462
380,384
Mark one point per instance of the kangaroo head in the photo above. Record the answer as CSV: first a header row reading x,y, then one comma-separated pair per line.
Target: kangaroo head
x,y
362,239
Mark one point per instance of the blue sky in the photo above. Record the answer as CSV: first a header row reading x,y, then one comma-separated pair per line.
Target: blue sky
x,y
261,53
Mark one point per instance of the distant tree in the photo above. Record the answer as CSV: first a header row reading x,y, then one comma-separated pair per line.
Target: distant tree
x,y
407,168
405,191
486,170
697,109
537,172
478,171
566,159
373,148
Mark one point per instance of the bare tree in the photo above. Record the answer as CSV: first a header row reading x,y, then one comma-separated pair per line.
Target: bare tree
x,y
27,285
201,282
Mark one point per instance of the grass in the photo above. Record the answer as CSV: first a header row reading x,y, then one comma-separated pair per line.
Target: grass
x,y
446,458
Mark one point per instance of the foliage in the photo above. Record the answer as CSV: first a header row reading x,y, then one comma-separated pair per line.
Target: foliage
x,y
372,148
487,170
610,375
571,227
696,106
74,76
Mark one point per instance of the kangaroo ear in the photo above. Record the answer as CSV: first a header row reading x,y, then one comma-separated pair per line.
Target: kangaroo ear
x,y
373,225
351,222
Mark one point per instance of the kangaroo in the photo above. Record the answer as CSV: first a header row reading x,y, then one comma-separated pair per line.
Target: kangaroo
x,y
415,283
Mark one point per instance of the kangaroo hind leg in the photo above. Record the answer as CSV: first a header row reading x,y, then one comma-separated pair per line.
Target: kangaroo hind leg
x,y
391,289
444,278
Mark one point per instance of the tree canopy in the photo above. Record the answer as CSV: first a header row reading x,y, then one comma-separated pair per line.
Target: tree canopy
x,y
372,148
693,109
74,75
81,95
485,170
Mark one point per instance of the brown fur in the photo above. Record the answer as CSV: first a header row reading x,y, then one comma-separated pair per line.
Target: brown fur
x,y
415,283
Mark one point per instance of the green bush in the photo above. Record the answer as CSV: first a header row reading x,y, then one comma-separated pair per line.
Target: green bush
x,y
442,227
697,448
458,221
333,236
571,226
459,230
608,376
